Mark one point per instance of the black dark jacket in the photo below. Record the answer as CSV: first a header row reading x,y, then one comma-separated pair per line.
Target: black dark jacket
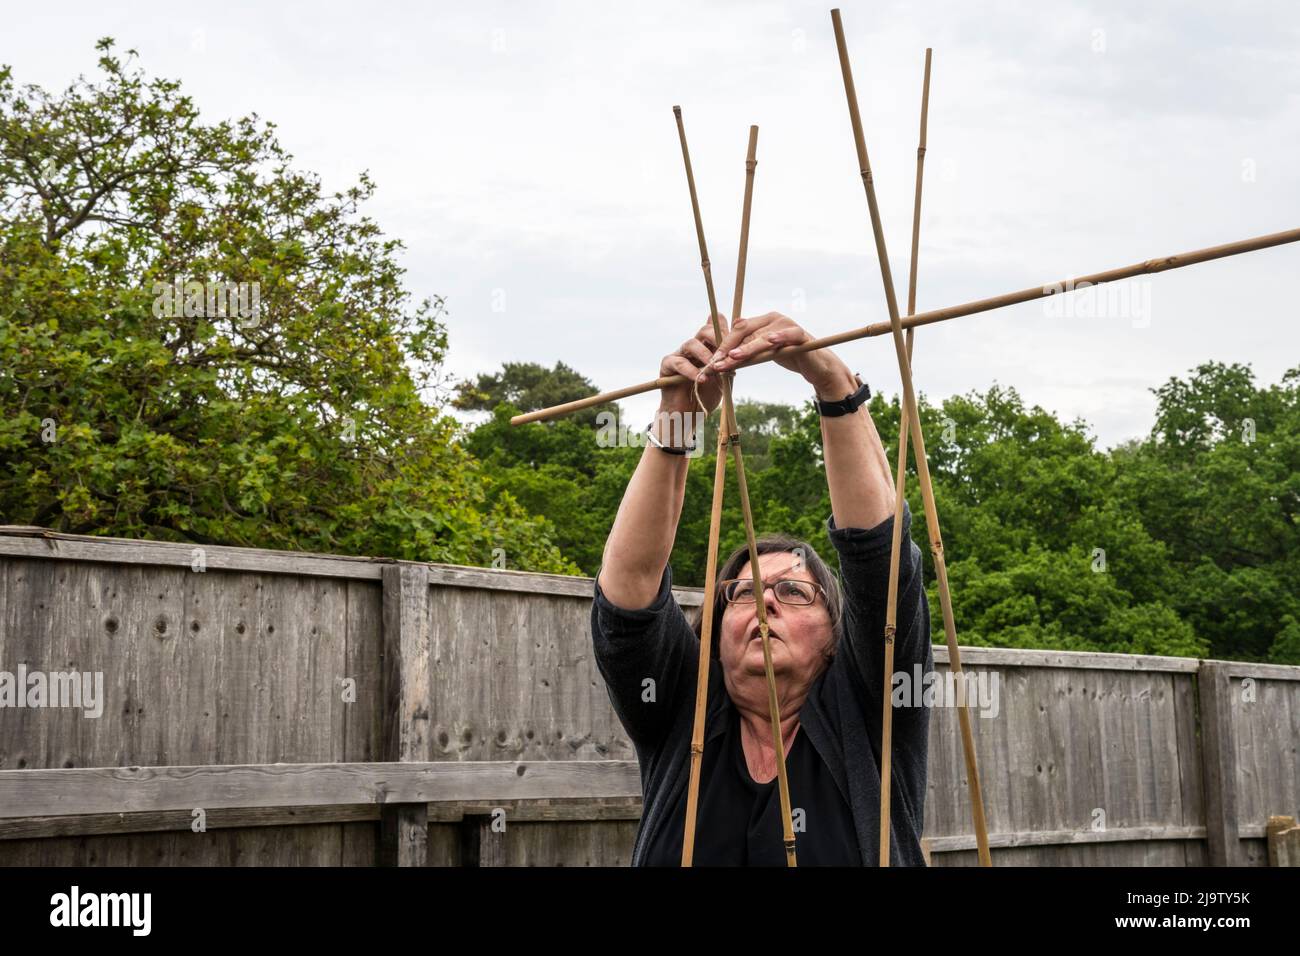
x,y
841,714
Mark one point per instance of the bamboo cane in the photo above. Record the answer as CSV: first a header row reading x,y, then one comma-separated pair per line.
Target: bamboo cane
x,y
729,416
918,445
725,430
706,639
1146,267
900,480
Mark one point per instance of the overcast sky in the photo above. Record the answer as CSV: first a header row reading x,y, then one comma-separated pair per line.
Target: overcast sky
x,y
528,157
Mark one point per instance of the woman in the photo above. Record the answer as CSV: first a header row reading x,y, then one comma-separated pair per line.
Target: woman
x,y
827,642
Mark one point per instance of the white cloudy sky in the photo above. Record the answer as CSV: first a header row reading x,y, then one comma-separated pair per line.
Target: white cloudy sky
x,y
527,155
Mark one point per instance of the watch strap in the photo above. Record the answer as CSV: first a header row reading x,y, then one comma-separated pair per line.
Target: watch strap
x,y
847,405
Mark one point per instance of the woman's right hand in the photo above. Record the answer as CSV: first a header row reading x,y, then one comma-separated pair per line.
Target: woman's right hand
x,y
645,527
688,360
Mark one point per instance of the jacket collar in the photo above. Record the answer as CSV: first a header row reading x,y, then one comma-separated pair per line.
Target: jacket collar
x,y
812,721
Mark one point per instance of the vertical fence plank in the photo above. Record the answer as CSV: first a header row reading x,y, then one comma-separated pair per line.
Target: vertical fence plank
x,y
404,830
1191,811
1219,764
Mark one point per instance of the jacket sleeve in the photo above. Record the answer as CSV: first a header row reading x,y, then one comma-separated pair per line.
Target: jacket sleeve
x,y
864,568
647,657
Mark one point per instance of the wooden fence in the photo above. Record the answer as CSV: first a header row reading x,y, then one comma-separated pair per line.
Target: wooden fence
x,y
263,707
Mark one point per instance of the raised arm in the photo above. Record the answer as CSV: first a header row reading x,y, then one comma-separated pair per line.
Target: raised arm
x,y
641,539
857,468
862,502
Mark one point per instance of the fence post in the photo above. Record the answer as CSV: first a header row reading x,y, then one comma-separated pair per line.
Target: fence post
x,y
404,827
1283,841
1219,764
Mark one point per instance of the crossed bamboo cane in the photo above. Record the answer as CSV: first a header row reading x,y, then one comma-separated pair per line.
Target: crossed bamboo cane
x,y
910,420
729,436
895,554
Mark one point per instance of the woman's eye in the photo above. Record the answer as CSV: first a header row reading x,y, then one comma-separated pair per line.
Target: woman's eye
x,y
795,591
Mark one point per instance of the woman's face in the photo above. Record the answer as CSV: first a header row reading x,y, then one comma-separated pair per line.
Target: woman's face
x,y
800,635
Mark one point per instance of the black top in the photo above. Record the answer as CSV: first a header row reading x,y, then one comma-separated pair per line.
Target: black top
x,y
840,717
738,821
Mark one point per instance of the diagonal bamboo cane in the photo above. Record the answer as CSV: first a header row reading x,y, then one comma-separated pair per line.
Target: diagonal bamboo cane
x,y
725,430
706,643
900,480
1146,267
918,446
733,439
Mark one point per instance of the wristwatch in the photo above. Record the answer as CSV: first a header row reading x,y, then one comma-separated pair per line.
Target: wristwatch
x,y
845,406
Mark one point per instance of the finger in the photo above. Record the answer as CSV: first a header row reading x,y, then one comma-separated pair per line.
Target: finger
x,y
767,346
755,345
791,335
741,329
705,334
678,365
697,351
779,331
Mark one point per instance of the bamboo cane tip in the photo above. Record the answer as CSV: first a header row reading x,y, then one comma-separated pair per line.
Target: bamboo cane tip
x,y
677,111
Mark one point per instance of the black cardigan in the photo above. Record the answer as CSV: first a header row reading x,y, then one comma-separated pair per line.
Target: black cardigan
x,y
841,714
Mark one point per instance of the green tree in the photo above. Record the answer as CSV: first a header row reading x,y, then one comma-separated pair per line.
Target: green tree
x,y
1179,544
529,386
293,419
1218,482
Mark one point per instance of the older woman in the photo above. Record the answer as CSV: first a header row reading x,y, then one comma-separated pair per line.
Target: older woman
x,y
827,643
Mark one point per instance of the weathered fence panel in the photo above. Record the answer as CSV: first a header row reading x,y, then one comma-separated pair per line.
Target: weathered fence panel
x,y
325,710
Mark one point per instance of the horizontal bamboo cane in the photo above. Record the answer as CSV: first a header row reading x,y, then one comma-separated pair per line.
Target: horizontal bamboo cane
x,y
942,315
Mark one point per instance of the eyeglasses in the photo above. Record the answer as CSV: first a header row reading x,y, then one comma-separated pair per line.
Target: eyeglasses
x,y
787,591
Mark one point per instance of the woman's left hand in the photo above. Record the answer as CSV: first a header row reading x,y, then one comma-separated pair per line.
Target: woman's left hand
x,y
750,337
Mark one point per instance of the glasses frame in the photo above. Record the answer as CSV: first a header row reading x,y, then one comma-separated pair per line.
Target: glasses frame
x,y
724,585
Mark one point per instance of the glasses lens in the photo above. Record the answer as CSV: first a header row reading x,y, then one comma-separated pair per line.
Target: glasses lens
x,y
795,592
740,591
